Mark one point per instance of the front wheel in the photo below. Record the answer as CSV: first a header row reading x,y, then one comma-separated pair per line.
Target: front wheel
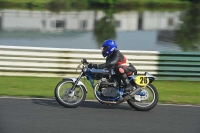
x,y
147,101
67,97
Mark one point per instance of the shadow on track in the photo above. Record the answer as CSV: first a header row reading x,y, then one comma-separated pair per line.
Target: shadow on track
x,y
44,102
94,104
85,104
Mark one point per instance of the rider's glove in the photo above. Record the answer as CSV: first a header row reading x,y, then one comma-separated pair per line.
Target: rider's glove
x,y
92,65
84,61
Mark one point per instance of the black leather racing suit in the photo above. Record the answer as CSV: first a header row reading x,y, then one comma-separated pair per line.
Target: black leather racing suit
x,y
121,67
117,60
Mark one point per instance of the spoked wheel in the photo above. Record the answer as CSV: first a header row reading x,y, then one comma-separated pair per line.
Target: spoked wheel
x,y
147,101
67,97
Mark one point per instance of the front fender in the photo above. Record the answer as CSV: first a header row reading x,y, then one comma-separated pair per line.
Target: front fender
x,y
79,82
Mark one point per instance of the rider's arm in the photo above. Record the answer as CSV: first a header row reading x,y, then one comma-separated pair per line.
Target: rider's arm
x,y
111,61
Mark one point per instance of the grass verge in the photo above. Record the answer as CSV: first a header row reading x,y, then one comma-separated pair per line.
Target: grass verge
x,y
176,92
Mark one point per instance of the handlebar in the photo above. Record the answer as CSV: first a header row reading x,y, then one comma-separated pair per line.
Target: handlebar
x,y
85,67
84,61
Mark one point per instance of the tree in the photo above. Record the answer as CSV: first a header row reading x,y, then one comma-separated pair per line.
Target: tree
x,y
188,37
105,28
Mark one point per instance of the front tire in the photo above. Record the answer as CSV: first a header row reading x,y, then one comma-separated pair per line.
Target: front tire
x,y
67,98
148,102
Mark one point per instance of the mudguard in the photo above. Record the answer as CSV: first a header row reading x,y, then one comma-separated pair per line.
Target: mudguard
x,y
79,83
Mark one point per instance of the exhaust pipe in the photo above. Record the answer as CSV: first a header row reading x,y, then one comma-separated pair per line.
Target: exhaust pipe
x,y
121,99
129,96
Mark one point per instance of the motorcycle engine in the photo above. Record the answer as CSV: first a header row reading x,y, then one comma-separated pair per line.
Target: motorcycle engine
x,y
108,88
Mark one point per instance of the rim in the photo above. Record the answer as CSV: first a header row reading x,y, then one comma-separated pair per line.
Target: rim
x,y
146,100
70,97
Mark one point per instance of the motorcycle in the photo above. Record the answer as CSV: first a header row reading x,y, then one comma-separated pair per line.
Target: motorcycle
x,y
109,90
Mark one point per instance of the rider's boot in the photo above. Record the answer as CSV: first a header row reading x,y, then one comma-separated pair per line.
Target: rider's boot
x,y
126,81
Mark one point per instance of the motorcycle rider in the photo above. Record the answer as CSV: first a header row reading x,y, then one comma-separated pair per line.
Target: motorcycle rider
x,y
115,59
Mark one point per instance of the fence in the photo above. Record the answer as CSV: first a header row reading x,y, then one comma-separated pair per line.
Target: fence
x,y
58,62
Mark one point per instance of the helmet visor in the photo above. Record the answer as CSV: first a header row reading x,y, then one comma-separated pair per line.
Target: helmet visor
x,y
105,49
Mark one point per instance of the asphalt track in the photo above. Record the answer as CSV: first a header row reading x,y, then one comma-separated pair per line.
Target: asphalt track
x,y
47,116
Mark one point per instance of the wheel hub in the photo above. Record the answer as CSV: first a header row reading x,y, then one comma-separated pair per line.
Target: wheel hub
x,y
146,96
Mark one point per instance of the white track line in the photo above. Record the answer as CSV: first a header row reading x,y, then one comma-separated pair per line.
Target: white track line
x,y
28,98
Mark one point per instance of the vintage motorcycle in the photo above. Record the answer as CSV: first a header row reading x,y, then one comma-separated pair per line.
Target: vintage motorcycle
x,y
71,92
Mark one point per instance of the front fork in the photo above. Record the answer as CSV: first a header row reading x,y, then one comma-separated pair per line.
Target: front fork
x,y
76,82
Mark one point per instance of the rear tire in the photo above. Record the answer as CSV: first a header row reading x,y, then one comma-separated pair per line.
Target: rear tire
x,y
136,105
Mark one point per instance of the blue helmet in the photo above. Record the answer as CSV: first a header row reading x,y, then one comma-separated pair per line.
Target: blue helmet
x,y
108,47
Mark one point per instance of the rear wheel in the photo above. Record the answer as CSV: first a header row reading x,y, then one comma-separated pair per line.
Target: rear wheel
x,y
147,101
67,97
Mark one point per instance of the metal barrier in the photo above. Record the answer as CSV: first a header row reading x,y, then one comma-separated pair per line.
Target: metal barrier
x,y
61,62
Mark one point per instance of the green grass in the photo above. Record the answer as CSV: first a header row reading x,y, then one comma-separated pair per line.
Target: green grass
x,y
181,92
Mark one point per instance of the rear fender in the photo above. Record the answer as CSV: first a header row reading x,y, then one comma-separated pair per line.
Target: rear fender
x,y
79,82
